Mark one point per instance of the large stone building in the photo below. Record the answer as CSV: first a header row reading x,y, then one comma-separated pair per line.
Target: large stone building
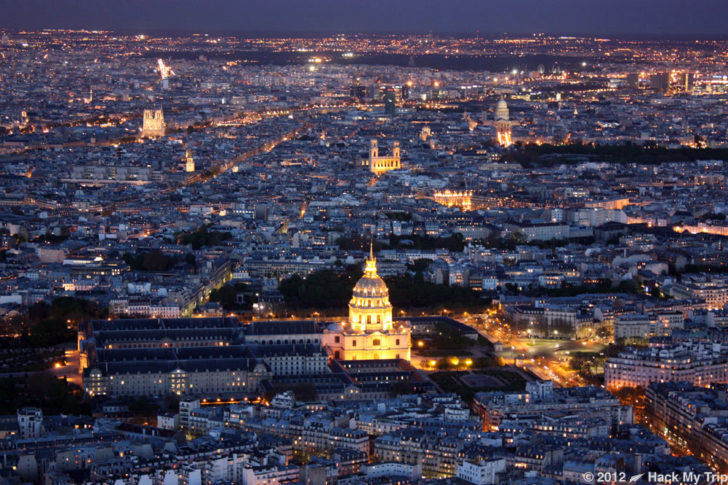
x,y
380,164
540,398
153,125
370,333
207,357
220,357
700,364
214,357
709,287
692,416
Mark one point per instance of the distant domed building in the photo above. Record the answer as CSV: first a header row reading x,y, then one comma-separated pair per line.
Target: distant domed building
x,y
503,124
501,111
370,333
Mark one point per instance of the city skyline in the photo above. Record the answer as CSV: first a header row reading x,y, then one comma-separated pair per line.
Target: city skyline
x,y
605,17
363,259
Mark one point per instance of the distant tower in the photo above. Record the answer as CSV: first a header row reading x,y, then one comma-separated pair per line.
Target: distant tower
x,y
5,39
373,149
380,164
633,80
660,82
503,123
390,102
356,90
189,162
153,125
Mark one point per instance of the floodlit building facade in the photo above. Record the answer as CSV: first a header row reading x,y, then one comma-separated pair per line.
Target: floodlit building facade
x,y
370,333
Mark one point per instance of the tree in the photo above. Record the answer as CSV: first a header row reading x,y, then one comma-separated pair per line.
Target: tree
x,y
190,259
202,236
142,407
227,296
50,331
414,292
150,261
419,265
326,289
54,323
157,261
628,286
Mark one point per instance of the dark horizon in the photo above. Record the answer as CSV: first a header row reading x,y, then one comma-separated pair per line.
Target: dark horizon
x,y
374,33
681,18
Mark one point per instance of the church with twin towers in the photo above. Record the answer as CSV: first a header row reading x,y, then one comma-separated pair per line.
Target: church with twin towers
x,y
379,164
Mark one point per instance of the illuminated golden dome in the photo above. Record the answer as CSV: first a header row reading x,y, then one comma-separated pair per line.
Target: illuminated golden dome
x,y
369,308
369,334
371,285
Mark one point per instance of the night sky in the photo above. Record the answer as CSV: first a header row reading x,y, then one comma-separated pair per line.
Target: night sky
x,y
678,17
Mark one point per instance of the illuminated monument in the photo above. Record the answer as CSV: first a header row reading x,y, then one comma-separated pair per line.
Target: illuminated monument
x,y
377,164
462,199
189,162
370,333
153,125
503,124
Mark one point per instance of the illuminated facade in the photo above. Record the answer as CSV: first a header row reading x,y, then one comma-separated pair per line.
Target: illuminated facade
x,y
370,333
463,199
503,124
697,363
189,162
377,164
153,124
425,133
